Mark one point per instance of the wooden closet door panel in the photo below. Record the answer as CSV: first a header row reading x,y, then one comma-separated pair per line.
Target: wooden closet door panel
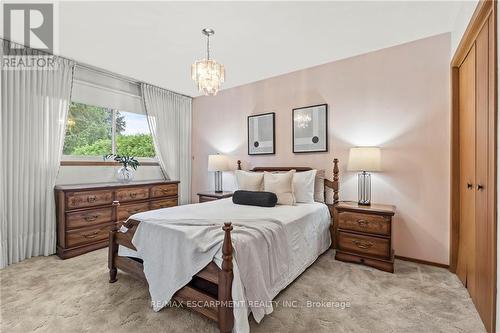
x,y
489,320
467,125
484,230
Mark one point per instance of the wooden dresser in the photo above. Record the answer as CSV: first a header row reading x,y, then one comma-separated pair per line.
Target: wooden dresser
x,y
86,212
363,234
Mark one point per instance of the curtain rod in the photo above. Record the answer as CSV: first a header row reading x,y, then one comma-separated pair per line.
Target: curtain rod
x,y
99,70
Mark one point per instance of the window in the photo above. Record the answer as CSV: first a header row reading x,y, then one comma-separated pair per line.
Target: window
x,y
133,136
88,131
96,131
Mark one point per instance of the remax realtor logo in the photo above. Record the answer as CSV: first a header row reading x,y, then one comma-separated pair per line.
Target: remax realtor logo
x,y
30,24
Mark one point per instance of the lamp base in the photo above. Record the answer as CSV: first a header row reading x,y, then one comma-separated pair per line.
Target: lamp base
x,y
218,182
364,188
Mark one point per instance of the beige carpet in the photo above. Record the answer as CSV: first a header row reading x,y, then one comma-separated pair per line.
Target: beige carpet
x,y
48,294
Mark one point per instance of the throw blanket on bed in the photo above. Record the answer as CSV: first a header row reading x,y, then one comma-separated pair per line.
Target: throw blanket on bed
x,y
175,250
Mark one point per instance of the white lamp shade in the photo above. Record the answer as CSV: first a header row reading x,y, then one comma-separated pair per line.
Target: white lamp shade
x,y
217,163
364,159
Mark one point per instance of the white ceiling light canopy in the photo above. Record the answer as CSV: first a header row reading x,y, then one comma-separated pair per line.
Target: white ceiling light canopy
x,y
208,73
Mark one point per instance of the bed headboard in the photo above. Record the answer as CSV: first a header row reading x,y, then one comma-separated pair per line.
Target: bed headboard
x,y
332,184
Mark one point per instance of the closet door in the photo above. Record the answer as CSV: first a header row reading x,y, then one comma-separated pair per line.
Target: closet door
x,y
484,289
474,162
467,137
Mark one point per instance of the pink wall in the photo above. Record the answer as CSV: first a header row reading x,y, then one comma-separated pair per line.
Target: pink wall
x,y
396,98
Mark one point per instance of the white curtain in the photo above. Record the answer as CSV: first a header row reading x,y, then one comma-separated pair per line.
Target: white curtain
x,y
169,117
34,105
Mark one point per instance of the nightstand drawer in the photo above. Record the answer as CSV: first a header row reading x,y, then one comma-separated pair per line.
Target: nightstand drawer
x,y
367,245
374,224
211,196
206,199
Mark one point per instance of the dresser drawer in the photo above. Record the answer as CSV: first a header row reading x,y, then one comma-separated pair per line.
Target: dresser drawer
x,y
371,246
88,218
375,224
125,211
87,235
166,190
88,199
158,204
132,193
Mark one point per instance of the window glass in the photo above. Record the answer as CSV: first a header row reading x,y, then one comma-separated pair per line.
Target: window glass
x,y
97,131
133,137
88,130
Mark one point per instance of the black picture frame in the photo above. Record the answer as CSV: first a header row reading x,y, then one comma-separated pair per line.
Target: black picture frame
x,y
251,145
320,150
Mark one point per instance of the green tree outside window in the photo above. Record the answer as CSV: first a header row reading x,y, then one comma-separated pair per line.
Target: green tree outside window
x,y
89,132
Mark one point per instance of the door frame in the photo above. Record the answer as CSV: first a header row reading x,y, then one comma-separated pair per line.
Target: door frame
x,y
483,10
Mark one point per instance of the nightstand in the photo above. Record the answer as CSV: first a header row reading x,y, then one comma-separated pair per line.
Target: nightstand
x,y
363,234
212,195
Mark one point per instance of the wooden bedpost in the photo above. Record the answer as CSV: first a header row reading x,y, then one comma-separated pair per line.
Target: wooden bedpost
x,y
113,248
239,165
225,313
335,180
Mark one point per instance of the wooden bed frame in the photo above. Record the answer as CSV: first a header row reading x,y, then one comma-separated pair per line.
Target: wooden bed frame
x,y
212,285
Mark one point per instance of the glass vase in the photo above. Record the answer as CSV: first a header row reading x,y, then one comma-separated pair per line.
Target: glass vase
x,y
125,174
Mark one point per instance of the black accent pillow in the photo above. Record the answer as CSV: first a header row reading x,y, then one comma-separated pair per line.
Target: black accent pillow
x,y
254,198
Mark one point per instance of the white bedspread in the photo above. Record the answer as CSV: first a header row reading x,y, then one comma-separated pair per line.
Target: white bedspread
x,y
272,247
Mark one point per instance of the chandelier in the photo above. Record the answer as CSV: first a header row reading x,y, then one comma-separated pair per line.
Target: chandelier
x,y
207,73
302,120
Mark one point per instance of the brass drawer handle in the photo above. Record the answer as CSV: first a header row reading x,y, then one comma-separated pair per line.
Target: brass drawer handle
x,y
363,223
362,245
165,190
90,218
91,198
91,235
132,195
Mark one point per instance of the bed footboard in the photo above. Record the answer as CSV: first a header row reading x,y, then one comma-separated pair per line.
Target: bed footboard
x,y
211,286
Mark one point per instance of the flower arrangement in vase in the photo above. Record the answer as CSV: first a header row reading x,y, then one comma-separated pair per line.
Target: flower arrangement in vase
x,y
125,173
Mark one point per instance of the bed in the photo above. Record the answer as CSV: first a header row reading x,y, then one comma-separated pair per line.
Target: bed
x,y
210,280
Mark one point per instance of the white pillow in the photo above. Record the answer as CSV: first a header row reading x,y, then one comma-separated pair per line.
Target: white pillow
x,y
280,184
303,186
319,186
249,181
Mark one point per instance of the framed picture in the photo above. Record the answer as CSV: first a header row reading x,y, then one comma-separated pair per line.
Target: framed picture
x,y
261,136
310,129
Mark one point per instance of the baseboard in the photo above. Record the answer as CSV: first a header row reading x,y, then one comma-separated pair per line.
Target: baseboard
x,y
425,262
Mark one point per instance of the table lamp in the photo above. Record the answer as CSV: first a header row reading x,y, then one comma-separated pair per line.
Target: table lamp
x,y
217,163
364,159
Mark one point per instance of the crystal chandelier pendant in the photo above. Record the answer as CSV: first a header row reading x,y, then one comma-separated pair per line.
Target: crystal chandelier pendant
x,y
302,120
208,73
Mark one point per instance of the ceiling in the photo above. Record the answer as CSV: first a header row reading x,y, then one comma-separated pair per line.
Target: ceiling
x,y
156,42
